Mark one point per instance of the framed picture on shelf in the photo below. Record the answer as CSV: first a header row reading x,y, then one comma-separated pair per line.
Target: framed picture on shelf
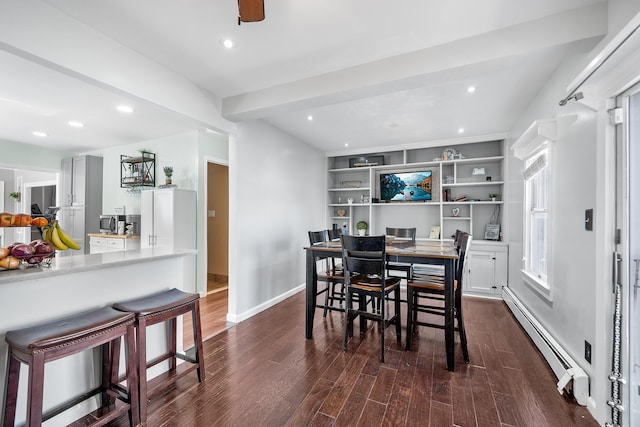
x,y
435,232
492,232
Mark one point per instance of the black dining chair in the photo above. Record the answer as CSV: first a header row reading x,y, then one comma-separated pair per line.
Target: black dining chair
x,y
408,234
364,261
431,288
329,273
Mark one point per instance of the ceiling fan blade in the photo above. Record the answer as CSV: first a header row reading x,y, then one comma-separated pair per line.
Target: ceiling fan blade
x,y
250,10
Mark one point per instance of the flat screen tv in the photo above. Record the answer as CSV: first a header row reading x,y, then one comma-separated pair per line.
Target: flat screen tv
x,y
416,185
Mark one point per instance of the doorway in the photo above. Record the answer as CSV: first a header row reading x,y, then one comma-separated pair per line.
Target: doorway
x,y
217,227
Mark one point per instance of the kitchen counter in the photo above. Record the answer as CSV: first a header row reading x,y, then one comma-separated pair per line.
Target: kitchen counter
x,y
75,284
114,236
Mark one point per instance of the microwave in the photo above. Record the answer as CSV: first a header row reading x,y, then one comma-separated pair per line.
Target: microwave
x,y
109,223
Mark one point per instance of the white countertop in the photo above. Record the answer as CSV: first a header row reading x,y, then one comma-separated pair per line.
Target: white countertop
x,y
115,236
79,263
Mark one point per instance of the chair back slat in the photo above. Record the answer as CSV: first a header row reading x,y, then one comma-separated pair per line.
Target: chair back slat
x,y
334,234
465,245
364,256
317,237
405,233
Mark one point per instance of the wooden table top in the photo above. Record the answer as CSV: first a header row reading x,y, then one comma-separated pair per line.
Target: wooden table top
x,y
399,247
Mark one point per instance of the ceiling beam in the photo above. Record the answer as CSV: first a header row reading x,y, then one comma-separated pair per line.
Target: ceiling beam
x,y
386,75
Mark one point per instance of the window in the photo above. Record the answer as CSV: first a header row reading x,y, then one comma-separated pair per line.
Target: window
x,y
536,217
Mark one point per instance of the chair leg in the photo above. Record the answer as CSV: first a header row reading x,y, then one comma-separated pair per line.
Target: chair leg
x,y
133,381
141,353
11,390
197,340
382,323
172,337
326,299
346,319
35,392
463,333
398,315
410,302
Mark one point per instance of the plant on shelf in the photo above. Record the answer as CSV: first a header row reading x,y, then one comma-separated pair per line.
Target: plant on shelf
x,y
168,172
493,196
15,195
362,227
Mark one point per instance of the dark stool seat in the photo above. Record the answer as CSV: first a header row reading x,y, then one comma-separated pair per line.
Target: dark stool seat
x,y
43,343
164,307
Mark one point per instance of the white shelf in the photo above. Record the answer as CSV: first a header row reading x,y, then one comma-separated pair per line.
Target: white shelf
x,y
465,218
434,204
340,217
346,205
473,184
350,189
475,202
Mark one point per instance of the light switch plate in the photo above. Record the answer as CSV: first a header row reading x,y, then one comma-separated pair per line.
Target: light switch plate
x,y
588,219
211,214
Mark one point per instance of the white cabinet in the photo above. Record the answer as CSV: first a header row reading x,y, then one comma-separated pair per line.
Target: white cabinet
x,y
487,269
102,244
81,199
168,218
80,175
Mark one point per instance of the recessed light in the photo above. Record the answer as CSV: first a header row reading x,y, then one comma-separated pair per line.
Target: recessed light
x,y
471,89
227,43
125,109
346,144
40,134
76,124
310,117
461,130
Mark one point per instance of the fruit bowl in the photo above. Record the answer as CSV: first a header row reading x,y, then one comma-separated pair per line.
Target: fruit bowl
x,y
37,260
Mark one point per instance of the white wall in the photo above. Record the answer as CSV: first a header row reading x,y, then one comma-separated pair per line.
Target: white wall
x,y
185,152
277,193
179,151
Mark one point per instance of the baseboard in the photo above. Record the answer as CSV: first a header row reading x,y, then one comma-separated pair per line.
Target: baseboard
x,y
265,305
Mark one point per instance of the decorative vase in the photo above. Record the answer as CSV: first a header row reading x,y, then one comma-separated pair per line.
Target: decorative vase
x,y
362,232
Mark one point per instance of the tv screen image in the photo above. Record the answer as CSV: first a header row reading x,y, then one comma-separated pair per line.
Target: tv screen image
x,y
407,186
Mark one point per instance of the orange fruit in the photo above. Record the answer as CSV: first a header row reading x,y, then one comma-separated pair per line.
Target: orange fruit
x,y
39,222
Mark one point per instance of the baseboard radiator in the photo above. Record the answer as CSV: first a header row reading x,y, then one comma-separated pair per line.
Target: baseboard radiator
x,y
570,376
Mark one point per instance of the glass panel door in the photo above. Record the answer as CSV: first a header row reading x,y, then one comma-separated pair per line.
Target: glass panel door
x,y
628,221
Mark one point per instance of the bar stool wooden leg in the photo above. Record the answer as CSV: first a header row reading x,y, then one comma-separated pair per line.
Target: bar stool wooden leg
x,y
35,392
197,339
141,366
132,375
11,397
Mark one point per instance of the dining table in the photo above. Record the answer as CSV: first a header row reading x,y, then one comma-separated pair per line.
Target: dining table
x,y
434,252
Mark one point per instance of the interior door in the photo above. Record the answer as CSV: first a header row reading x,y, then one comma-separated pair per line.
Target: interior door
x,y
628,222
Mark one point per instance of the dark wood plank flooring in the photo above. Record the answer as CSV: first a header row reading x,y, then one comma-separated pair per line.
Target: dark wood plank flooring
x,y
263,372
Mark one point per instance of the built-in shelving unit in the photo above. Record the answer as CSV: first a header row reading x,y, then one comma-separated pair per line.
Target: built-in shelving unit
x,y
464,178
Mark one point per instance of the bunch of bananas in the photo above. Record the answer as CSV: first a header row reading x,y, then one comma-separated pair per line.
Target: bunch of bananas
x,y
55,235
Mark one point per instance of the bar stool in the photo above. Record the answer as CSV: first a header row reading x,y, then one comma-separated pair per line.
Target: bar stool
x,y
44,343
164,307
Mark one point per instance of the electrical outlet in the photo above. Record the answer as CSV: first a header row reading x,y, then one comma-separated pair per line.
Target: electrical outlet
x,y
587,351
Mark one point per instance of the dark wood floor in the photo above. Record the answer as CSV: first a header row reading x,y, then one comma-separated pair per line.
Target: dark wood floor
x,y
263,372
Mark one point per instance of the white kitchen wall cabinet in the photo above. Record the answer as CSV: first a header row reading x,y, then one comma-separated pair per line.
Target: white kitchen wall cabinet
x,y
487,269
81,177
168,218
80,199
